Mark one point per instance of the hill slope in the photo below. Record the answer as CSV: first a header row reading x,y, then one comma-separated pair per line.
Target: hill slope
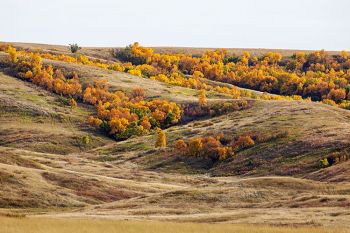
x,y
47,167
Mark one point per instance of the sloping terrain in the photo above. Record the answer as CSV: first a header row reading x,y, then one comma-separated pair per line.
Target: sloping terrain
x,y
306,134
34,119
48,169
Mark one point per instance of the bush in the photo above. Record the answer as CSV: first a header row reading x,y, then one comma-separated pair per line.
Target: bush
x,y
12,54
126,55
324,162
195,111
243,142
86,139
74,47
204,147
161,139
73,103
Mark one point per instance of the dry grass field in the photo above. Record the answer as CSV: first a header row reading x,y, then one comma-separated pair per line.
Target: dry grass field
x,y
48,174
44,225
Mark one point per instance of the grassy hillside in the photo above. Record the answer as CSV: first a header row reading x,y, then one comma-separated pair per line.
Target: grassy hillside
x,y
304,132
49,169
34,119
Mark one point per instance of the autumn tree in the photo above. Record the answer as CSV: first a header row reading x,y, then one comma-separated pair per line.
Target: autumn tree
x,y
161,139
195,146
73,103
132,53
243,142
181,146
317,75
245,58
337,95
198,75
28,75
344,54
205,147
12,54
202,99
146,124
118,114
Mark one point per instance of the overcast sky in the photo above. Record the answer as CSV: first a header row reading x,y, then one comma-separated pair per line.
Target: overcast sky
x,y
293,24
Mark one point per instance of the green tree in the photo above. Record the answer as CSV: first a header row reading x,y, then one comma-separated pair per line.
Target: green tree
x,y
74,47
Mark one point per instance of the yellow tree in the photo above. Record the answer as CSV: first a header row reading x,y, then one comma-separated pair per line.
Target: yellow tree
x,y
202,99
344,54
73,103
12,54
245,58
195,146
161,138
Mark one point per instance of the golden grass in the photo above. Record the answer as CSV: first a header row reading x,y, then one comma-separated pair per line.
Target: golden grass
x,y
47,225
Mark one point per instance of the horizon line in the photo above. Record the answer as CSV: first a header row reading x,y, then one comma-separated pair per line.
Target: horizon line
x,y
174,46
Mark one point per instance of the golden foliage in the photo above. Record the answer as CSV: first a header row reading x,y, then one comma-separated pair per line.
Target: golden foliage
x,y
120,115
161,139
73,103
243,142
206,147
202,99
12,54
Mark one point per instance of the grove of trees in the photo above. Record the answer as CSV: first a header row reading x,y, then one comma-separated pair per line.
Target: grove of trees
x,y
317,76
119,114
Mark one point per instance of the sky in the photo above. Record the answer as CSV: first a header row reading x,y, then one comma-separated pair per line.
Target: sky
x,y
284,24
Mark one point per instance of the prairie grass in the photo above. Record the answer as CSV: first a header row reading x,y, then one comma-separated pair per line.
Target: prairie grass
x,y
50,225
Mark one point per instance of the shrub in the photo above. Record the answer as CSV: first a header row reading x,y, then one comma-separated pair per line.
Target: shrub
x,y
181,146
73,103
161,138
195,147
243,142
324,162
12,54
137,94
74,47
86,139
202,99
194,111
28,74
127,55
205,147
135,72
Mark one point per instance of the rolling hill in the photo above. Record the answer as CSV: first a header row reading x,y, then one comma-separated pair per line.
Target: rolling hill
x,y
49,170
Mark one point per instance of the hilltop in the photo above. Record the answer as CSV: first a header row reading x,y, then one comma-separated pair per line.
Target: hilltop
x,y
106,52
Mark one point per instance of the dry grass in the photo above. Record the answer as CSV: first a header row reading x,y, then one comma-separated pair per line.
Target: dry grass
x,y
44,225
34,119
339,173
